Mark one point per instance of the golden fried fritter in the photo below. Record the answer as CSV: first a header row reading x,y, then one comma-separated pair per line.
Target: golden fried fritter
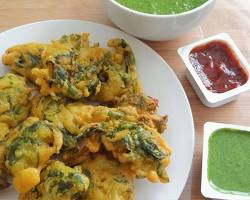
x,y
108,179
3,172
71,67
120,130
59,182
28,150
14,108
71,150
142,147
146,107
75,116
23,58
119,76
14,102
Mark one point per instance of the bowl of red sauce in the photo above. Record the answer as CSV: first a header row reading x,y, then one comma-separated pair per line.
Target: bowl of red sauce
x,y
216,69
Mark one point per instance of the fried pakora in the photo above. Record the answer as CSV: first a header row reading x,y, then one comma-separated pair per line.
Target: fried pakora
x,y
73,68
143,148
75,116
59,182
108,179
87,132
4,183
14,108
146,107
118,129
14,102
28,150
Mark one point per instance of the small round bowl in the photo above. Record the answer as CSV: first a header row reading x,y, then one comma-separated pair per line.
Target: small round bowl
x,y
156,27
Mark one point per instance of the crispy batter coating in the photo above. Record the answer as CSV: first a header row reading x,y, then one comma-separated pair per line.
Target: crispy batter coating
x,y
75,116
142,147
3,173
23,58
28,149
14,102
14,108
146,107
59,182
73,68
120,130
108,179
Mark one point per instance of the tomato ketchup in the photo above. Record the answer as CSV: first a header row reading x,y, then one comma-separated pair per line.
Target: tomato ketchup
x,y
217,66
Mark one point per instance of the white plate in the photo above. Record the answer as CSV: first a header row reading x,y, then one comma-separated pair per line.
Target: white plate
x,y
158,80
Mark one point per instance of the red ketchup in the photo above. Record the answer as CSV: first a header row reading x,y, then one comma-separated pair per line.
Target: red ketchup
x,y
217,67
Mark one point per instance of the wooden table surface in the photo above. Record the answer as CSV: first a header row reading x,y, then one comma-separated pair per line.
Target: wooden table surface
x,y
231,16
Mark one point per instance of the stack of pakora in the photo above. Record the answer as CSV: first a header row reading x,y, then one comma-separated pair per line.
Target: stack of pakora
x,y
75,123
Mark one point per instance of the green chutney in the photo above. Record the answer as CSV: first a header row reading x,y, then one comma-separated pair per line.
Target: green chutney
x,y
229,161
162,7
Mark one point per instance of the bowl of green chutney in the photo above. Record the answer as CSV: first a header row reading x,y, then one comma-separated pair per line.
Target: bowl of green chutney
x,y
157,20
